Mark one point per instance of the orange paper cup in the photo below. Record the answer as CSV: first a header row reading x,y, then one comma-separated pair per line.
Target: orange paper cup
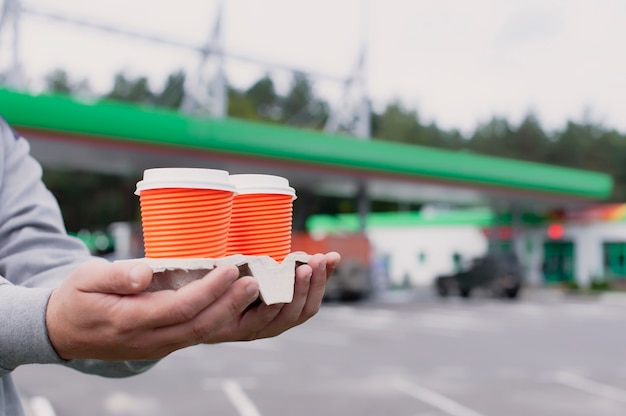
x,y
185,213
261,219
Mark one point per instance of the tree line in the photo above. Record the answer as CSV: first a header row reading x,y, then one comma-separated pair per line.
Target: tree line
x,y
585,145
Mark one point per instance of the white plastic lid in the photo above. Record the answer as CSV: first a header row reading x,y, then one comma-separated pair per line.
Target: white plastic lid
x,y
185,178
262,184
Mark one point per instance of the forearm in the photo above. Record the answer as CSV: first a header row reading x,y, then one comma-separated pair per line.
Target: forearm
x,y
35,249
23,335
36,255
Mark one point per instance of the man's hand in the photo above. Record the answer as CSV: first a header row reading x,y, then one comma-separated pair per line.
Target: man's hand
x,y
102,312
265,321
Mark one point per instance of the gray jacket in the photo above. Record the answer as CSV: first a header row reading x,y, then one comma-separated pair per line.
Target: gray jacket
x,y
36,254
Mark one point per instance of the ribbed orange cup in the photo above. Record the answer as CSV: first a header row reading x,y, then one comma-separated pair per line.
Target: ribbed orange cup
x,y
185,213
261,219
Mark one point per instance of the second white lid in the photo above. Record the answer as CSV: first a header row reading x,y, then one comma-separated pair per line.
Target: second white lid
x,y
262,184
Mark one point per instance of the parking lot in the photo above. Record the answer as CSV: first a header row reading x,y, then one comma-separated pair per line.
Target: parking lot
x,y
404,354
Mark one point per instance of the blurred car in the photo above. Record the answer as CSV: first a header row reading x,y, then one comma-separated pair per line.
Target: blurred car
x,y
499,274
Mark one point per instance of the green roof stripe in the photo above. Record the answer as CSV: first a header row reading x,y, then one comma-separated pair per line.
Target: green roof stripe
x,y
482,217
478,216
127,122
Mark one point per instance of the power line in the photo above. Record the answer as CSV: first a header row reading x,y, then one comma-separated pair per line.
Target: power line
x,y
155,38
208,95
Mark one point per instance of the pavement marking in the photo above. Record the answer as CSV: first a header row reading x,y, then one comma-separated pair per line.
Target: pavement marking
x,y
122,403
40,406
433,398
239,399
589,386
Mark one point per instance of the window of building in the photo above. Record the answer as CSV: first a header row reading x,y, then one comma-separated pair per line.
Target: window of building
x,y
558,261
615,259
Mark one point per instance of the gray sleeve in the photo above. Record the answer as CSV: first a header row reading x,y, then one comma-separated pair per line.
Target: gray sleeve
x,y
36,254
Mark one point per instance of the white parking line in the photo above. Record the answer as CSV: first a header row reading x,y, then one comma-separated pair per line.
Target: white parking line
x,y
589,386
123,403
40,406
433,398
239,399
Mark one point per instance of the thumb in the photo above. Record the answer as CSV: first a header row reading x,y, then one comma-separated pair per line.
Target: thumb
x,y
123,278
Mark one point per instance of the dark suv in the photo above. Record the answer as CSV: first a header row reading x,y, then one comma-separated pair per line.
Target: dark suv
x,y
500,274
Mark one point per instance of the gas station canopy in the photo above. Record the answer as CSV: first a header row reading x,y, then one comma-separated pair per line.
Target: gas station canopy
x,y
124,139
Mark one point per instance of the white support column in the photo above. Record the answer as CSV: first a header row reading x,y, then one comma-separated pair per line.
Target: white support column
x,y
518,235
534,269
588,252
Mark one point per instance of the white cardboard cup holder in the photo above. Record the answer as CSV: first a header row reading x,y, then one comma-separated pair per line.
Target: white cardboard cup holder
x,y
276,280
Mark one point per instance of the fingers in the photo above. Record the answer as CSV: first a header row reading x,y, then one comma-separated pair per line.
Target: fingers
x,y
255,322
321,272
310,281
309,291
222,311
332,260
169,307
124,278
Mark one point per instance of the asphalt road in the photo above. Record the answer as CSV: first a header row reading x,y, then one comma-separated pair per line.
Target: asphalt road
x,y
402,355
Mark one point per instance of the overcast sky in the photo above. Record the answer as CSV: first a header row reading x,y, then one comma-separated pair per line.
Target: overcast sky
x,y
457,62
